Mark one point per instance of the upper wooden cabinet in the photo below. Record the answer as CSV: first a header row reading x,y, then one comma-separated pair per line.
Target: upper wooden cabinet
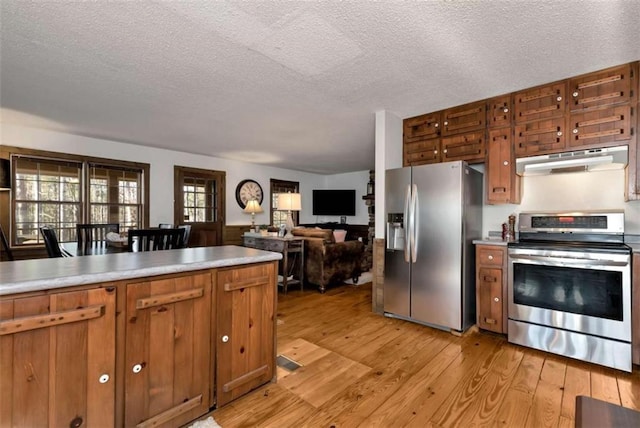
x,y
421,152
469,147
422,127
501,182
610,126
499,112
57,359
539,137
168,372
461,119
245,338
602,88
539,103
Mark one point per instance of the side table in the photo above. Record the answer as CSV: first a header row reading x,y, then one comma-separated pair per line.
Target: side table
x,y
285,246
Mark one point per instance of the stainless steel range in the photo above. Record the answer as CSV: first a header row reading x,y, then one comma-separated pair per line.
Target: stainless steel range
x,y
570,286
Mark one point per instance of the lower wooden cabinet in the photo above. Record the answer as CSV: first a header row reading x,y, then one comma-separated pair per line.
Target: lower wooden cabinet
x,y
157,351
491,282
245,339
167,350
57,359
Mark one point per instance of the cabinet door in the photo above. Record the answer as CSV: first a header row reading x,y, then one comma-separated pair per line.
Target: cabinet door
x,y
489,296
168,372
245,339
502,183
57,359
602,88
499,112
469,147
466,118
543,136
599,128
539,103
421,152
422,127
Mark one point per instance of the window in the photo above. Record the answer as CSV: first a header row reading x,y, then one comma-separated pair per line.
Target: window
x,y
115,196
280,186
61,190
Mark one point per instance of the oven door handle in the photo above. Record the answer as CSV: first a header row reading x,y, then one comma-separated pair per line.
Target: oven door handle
x,y
547,260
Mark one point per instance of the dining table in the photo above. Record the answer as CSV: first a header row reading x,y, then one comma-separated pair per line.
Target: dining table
x,y
94,248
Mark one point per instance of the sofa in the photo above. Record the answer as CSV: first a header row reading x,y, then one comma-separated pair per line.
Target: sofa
x,y
327,262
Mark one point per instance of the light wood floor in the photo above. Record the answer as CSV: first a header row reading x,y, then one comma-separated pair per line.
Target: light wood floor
x,y
364,370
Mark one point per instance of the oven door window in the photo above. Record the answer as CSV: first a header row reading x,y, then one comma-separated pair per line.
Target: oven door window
x,y
596,293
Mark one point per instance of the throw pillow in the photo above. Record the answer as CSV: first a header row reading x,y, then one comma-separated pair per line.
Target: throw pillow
x,y
339,235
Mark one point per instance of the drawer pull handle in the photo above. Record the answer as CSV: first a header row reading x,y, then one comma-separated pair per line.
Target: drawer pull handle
x,y
225,339
104,378
490,257
163,299
137,368
496,299
253,282
18,325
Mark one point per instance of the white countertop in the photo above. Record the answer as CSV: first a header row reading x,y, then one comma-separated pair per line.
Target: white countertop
x,y
45,274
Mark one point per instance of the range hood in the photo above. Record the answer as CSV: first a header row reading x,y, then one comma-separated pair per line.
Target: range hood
x,y
578,161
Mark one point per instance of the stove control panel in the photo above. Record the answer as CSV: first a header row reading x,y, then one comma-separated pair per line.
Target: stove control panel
x,y
572,222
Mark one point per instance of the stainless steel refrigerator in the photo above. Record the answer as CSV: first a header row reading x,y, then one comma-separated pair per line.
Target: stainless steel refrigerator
x,y
433,214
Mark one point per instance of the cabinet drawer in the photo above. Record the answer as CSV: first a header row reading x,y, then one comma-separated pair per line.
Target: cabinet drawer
x,y
423,151
421,127
469,147
466,118
249,276
597,128
540,103
605,87
544,136
490,255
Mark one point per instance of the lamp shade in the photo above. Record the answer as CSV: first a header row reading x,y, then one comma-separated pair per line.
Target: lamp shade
x,y
289,202
253,207
5,176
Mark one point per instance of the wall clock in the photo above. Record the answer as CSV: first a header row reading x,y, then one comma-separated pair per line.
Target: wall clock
x,y
248,190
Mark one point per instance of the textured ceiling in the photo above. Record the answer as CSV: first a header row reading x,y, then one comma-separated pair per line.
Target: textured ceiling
x,y
291,84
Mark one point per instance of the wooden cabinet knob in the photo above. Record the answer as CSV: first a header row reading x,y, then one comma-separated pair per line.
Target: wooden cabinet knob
x,y
490,257
505,163
496,299
559,99
104,378
575,94
137,368
225,339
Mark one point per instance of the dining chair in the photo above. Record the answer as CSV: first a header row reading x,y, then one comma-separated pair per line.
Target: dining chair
x,y
51,242
187,234
155,239
5,245
88,233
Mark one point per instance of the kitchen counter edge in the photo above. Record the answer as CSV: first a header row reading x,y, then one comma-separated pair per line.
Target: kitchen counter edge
x,y
46,274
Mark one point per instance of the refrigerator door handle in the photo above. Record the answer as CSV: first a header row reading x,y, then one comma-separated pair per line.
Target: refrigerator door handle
x,y
414,223
406,223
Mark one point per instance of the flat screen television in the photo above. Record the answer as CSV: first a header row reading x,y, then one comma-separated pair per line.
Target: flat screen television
x,y
334,202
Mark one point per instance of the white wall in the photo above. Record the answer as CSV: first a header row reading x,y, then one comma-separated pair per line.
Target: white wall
x,y
161,171
388,155
597,190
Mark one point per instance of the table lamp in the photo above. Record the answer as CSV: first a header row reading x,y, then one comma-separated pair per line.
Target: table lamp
x,y
253,207
289,202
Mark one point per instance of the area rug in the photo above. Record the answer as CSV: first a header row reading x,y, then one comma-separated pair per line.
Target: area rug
x,y
207,423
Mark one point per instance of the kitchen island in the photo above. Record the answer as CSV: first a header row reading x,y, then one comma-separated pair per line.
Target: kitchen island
x,y
154,338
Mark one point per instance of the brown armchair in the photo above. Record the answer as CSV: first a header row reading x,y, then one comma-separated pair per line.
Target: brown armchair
x,y
327,262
